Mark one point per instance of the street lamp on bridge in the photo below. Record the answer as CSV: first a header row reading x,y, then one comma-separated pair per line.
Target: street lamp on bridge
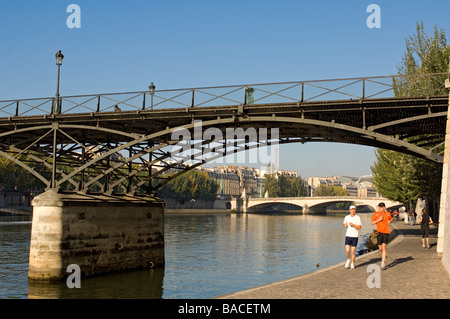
x,y
152,91
59,59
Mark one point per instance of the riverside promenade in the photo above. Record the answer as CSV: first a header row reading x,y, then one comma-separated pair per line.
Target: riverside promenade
x,y
411,272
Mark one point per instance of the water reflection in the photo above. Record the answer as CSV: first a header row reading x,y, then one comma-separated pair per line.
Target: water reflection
x,y
145,284
207,255
10,220
15,232
243,251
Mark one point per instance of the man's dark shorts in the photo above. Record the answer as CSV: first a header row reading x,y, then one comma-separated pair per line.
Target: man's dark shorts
x,y
382,238
351,241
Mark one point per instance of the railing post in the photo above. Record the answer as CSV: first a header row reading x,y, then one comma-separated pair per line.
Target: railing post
x,y
193,100
98,103
56,109
303,91
143,102
17,108
245,95
364,89
59,111
430,85
364,117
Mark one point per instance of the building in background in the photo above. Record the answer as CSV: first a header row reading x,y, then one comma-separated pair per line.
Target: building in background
x,y
356,187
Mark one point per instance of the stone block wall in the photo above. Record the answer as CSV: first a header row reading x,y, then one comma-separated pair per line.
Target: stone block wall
x,y
101,234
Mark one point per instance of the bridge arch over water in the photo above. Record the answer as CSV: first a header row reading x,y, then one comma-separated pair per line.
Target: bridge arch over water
x,y
314,205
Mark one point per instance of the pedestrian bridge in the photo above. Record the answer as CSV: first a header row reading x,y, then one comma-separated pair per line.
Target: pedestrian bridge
x,y
102,157
310,205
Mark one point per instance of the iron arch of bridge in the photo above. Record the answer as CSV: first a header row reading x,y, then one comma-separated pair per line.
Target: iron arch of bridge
x,y
91,163
272,206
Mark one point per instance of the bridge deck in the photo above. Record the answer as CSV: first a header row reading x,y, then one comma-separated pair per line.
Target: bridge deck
x,y
372,114
340,111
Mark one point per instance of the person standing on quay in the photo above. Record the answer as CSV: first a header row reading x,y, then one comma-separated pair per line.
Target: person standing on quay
x,y
425,221
382,219
411,216
353,224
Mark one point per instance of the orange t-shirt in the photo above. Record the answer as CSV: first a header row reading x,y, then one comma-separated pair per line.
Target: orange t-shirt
x,y
382,226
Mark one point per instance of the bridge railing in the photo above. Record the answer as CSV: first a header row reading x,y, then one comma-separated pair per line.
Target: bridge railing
x,y
265,93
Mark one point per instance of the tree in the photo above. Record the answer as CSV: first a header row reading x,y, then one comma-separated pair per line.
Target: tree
x,y
330,190
405,178
399,176
14,176
283,186
424,55
394,176
271,185
298,187
191,185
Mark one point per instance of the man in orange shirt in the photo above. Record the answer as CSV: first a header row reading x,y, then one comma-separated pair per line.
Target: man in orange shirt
x,y
382,219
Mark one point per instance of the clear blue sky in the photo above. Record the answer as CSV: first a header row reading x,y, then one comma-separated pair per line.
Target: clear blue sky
x,y
125,45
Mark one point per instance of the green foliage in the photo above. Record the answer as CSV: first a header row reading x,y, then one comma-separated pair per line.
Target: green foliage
x,y
424,54
13,175
330,190
403,177
394,176
284,186
191,185
271,185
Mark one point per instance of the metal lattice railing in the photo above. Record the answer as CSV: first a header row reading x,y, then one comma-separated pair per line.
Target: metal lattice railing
x,y
283,92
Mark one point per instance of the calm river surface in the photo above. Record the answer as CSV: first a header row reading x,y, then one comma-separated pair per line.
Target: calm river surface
x,y
207,255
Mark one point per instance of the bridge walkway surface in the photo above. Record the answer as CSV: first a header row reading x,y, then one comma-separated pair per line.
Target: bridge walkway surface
x,y
411,272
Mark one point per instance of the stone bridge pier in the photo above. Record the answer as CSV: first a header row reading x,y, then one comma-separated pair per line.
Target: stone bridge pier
x,y
99,233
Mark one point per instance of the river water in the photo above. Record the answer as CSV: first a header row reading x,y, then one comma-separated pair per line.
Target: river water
x,y
207,255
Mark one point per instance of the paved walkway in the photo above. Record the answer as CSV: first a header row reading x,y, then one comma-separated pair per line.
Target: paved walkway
x,y
412,272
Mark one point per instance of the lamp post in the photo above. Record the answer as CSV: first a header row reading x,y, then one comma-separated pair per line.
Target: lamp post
x,y
152,91
59,59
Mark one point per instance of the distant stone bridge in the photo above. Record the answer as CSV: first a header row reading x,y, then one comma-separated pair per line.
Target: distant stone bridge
x,y
308,205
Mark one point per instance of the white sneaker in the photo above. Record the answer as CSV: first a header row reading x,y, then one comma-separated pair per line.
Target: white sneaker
x,y
383,266
347,264
352,266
